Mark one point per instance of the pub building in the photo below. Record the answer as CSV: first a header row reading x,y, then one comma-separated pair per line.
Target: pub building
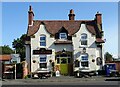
x,y
65,45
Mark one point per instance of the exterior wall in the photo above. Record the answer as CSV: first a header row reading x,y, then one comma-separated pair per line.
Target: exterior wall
x,y
35,44
91,49
28,56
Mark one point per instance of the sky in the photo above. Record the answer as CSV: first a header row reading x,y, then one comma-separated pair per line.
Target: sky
x,y
15,18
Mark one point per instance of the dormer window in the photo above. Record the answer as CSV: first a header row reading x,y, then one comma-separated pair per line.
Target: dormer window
x,y
83,39
63,36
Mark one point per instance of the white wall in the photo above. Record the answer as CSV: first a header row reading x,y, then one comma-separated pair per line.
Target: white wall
x,y
35,43
91,48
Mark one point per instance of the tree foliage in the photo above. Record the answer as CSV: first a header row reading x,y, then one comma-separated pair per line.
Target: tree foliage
x,y
6,50
108,56
18,44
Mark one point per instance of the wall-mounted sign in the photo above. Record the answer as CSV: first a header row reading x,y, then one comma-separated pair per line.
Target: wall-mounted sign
x,y
42,51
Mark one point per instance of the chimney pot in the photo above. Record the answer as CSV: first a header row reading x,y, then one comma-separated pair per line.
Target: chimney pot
x,y
30,16
98,18
71,11
71,15
30,8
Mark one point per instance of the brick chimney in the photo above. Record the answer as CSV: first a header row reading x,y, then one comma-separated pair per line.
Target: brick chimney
x,y
71,15
98,18
30,16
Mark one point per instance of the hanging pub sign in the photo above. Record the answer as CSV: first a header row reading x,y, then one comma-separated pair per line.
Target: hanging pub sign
x,y
42,51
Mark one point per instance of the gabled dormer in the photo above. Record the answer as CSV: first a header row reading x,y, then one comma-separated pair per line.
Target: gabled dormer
x,y
62,36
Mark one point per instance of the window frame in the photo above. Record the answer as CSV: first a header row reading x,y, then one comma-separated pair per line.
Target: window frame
x,y
60,34
83,39
42,42
98,61
84,60
43,63
44,59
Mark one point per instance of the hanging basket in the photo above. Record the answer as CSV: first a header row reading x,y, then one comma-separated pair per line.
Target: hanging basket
x,y
50,61
34,61
93,60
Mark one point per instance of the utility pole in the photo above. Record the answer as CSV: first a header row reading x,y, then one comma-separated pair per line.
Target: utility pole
x,y
15,70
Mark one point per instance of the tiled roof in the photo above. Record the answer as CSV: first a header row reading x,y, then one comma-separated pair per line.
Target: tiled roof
x,y
53,26
5,57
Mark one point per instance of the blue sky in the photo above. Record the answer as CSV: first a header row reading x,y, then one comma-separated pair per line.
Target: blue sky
x,y
15,18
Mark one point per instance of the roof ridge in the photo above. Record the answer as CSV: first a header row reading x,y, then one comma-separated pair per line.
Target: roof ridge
x,y
64,20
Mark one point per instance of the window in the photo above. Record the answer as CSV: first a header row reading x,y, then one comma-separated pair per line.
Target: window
x,y
84,60
42,40
42,59
77,63
58,60
99,61
84,64
63,61
63,36
83,39
43,65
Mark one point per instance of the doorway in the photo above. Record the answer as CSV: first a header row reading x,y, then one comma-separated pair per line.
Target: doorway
x,y
64,63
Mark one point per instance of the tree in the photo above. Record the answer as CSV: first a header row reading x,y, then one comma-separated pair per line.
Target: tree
x,y
108,56
18,44
6,50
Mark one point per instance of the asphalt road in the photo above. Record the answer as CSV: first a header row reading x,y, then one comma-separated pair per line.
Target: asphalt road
x,y
63,82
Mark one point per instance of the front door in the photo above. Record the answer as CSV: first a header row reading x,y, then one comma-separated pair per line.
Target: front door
x,y
64,66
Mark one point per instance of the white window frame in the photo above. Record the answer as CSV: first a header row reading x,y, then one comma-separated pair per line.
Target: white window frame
x,y
84,61
42,40
61,35
84,39
43,57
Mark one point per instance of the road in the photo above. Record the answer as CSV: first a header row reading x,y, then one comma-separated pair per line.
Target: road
x,y
63,82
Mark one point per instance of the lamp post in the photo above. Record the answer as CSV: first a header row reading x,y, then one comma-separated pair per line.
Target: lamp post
x,y
64,50
84,50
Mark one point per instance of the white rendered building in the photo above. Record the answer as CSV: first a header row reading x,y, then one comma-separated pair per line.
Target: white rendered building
x,y
65,45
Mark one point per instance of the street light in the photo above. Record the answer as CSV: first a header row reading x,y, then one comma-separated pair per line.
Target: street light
x,y
64,50
84,50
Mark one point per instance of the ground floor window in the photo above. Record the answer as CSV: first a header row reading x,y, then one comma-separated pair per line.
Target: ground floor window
x,y
84,64
99,61
77,63
43,65
43,59
84,60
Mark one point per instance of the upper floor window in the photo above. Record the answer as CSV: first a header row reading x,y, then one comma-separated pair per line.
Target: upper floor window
x,y
83,39
63,36
42,40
